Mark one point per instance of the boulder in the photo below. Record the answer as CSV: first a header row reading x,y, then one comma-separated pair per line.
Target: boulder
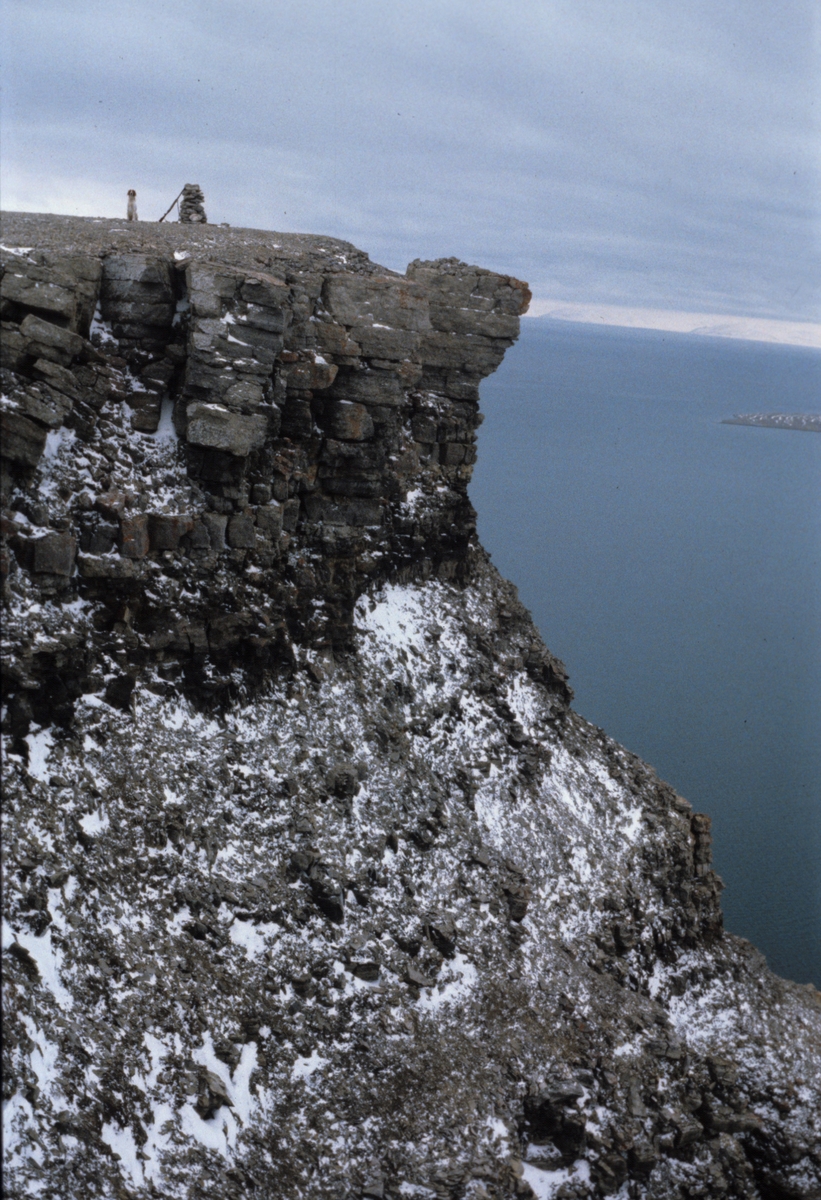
x,y
54,554
23,440
418,978
216,427
111,504
212,1094
166,529
376,299
369,971
146,411
245,396
240,533
59,378
370,387
44,404
134,539
216,525
377,341
97,536
18,288
45,340
12,347
105,566
309,376
269,521
347,421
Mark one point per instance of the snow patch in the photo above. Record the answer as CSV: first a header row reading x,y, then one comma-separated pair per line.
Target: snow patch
x,y
94,823
59,441
254,939
165,430
546,1183
48,959
40,745
304,1067
124,1147
456,990
395,618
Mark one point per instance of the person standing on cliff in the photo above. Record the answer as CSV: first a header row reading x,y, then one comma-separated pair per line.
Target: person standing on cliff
x,y
131,211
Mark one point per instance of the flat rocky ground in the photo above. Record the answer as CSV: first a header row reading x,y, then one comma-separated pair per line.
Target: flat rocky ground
x,y
211,243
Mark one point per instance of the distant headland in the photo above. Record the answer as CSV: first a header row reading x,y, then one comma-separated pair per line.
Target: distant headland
x,y
811,422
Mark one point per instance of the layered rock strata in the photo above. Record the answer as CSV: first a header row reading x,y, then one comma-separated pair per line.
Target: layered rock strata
x,y
316,885
324,416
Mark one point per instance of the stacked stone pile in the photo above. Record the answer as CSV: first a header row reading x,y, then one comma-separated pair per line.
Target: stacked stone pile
x,y
192,205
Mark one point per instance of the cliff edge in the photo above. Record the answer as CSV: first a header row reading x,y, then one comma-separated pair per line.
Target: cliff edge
x,y
316,885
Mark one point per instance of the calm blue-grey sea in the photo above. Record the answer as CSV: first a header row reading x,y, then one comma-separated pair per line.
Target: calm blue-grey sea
x,y
674,564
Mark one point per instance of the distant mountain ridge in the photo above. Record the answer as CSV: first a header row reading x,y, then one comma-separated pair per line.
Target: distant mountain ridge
x,y
756,329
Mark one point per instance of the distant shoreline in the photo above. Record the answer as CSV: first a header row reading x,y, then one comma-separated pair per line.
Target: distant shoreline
x,y
808,422
806,334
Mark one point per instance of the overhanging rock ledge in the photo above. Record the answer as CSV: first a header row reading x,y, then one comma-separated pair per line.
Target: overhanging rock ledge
x,y
316,884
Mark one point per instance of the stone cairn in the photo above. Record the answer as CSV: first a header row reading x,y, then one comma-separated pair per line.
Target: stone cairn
x,y
192,211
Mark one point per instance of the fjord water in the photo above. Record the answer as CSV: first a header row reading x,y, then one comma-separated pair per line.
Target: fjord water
x,y
674,564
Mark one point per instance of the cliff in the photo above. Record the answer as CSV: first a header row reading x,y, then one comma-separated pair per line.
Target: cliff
x,y
316,885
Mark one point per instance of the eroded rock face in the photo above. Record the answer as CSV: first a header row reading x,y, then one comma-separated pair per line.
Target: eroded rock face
x,y
324,414
316,886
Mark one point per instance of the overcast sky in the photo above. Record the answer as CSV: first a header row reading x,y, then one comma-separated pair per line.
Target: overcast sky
x,y
631,152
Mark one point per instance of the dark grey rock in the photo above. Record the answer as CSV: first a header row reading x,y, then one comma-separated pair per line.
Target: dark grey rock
x,y
43,404
54,554
215,427
18,288
165,530
43,339
240,532
211,1095
269,521
348,421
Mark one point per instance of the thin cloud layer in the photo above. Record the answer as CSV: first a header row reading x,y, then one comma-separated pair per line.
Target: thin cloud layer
x,y
646,153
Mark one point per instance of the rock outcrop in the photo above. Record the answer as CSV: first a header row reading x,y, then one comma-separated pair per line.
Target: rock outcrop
x,y
316,884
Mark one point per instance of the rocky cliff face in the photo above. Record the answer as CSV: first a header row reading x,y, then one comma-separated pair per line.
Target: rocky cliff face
x,y
324,416
316,885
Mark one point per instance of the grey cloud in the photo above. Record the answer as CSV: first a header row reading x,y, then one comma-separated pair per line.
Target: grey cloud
x,y
647,152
